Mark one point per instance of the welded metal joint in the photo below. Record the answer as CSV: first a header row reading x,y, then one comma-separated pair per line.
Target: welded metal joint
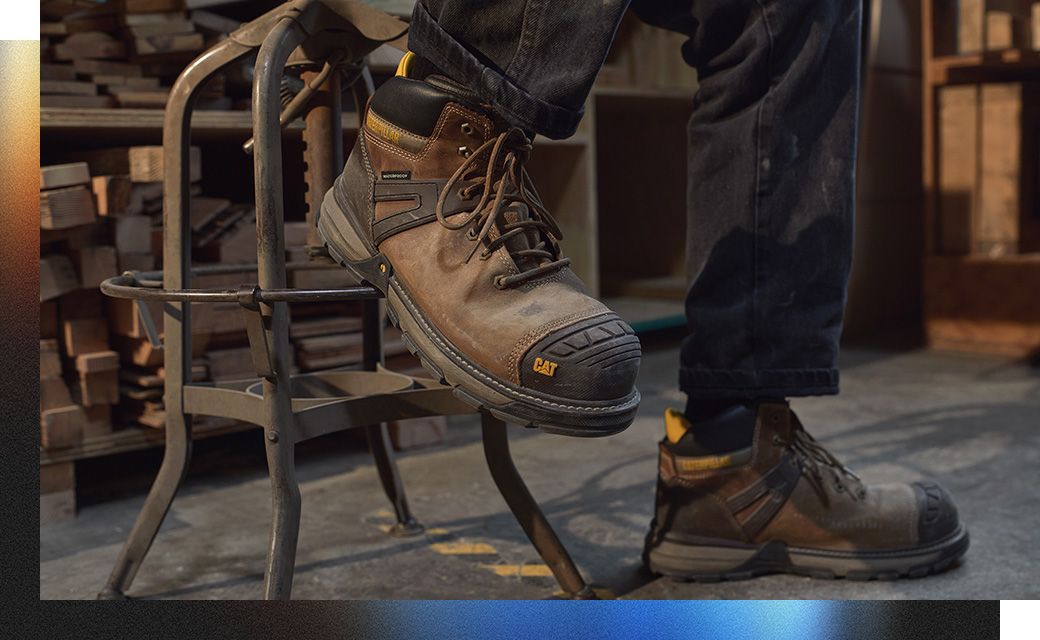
x,y
256,330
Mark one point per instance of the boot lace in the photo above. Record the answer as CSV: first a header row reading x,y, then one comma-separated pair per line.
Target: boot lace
x,y
820,464
504,183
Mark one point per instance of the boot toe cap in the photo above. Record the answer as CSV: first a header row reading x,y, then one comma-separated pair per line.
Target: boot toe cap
x,y
936,512
592,360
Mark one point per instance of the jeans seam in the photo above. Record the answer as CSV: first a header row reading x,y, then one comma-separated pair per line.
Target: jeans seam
x,y
517,65
756,248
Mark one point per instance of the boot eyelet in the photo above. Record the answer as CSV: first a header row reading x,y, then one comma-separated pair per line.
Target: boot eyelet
x,y
471,234
840,488
467,128
499,281
464,152
777,440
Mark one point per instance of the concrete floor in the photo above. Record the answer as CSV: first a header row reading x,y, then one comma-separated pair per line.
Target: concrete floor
x,y
972,423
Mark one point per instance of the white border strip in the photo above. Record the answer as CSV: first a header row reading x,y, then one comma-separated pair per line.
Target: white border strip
x,y
1018,619
21,20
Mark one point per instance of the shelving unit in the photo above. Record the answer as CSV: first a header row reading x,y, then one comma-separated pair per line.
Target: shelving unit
x,y
972,302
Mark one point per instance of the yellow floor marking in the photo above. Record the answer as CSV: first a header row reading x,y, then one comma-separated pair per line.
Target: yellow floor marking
x,y
384,513
463,548
519,570
437,531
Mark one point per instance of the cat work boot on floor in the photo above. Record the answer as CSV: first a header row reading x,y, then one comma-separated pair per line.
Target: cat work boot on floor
x,y
436,209
786,505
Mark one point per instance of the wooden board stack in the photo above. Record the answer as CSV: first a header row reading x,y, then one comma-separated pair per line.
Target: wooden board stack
x,y
988,169
124,54
997,25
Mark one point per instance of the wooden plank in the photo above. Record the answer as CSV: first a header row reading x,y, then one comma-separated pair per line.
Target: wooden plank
x,y
66,207
54,394
1034,26
99,421
77,102
68,87
85,335
96,264
90,44
133,234
145,164
1001,30
50,71
182,26
133,98
418,432
112,195
99,387
1004,131
64,175
97,362
109,81
50,359
107,67
162,44
958,167
171,8
62,427
970,25
57,477
57,276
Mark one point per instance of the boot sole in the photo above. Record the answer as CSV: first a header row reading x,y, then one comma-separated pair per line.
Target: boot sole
x,y
714,563
469,382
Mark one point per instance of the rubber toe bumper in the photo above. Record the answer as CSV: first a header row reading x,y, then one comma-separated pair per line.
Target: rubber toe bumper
x,y
937,514
592,360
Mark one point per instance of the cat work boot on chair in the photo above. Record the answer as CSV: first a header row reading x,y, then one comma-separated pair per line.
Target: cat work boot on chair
x,y
435,209
784,504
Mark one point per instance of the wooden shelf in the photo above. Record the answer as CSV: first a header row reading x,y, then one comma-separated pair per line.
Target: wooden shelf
x,y
136,438
971,67
99,121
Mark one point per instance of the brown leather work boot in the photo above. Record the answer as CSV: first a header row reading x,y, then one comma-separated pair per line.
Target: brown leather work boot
x,y
786,505
436,209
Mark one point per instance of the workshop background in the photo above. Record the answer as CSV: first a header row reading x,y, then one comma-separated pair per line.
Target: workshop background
x,y
942,339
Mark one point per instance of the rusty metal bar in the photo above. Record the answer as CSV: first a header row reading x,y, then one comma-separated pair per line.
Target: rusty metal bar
x,y
176,268
267,171
526,511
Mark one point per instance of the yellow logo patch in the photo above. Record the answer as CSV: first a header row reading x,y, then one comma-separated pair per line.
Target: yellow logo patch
x,y
705,464
544,367
383,130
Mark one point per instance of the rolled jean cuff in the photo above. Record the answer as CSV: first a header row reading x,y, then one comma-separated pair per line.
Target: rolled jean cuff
x,y
778,383
427,39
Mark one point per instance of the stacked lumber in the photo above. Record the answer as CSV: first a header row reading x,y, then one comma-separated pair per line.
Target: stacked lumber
x,y
997,25
647,57
124,54
988,169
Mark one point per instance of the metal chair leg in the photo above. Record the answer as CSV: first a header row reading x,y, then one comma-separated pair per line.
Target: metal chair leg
x,y
526,510
378,434
390,477
285,515
157,504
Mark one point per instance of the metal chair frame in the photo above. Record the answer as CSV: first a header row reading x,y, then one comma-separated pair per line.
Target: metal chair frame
x,y
320,35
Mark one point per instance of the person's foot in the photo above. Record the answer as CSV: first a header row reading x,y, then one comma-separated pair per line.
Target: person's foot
x,y
435,209
786,505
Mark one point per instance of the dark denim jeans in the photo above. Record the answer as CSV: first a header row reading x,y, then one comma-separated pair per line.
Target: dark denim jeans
x,y
770,164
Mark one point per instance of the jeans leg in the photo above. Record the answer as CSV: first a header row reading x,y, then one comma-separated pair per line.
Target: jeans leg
x,y
770,193
534,60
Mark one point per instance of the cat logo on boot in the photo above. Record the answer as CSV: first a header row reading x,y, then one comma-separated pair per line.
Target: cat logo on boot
x,y
544,367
